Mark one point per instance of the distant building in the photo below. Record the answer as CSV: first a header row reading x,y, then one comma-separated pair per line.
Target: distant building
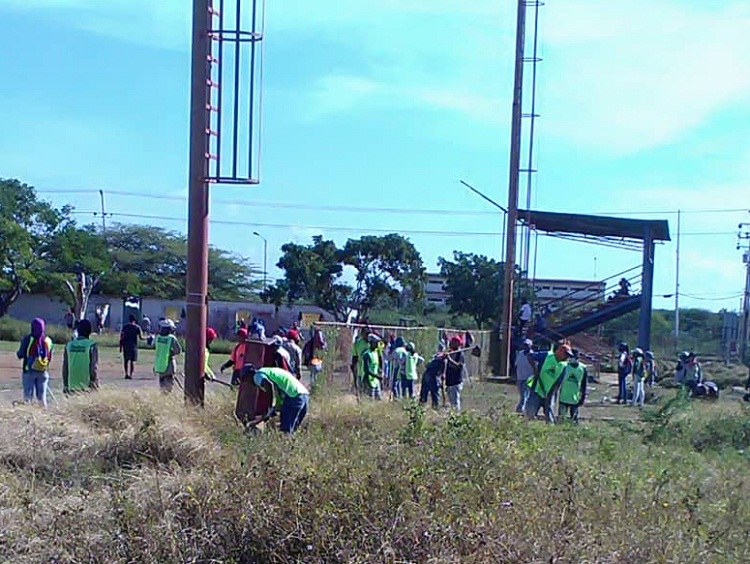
x,y
548,290
434,289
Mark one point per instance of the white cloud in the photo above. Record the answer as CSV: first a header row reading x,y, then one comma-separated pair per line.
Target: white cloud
x,y
627,76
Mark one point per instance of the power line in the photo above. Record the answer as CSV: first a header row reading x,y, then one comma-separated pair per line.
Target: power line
x,y
338,228
363,209
297,226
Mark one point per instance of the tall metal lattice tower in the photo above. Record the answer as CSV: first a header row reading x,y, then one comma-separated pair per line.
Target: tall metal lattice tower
x,y
225,104
531,116
515,170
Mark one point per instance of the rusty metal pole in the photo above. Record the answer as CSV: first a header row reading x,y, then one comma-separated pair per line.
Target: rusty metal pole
x,y
197,267
506,319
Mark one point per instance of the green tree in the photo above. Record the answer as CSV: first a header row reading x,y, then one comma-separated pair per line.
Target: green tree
x,y
76,261
313,273
385,266
27,226
151,261
474,284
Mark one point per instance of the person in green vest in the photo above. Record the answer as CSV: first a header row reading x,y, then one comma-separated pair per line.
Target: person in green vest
x,y
211,335
371,367
411,361
81,361
573,387
359,348
167,347
544,385
290,396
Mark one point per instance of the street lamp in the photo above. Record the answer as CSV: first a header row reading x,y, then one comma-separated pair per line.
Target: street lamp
x,y
265,260
498,206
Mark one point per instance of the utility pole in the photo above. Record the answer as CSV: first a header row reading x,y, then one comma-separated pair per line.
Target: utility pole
x,y
743,242
506,318
104,214
265,260
677,285
197,267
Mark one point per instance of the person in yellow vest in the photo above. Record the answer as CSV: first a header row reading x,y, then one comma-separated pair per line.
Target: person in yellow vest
x,y
371,367
573,387
81,361
411,362
167,347
211,335
544,385
359,348
290,396
35,351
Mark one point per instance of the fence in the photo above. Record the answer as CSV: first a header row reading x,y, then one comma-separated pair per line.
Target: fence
x,y
340,337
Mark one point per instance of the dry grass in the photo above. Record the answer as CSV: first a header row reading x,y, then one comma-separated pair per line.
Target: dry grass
x,y
125,476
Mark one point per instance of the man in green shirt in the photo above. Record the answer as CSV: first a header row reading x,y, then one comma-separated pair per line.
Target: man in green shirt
x,y
573,387
371,367
543,386
81,361
359,348
167,347
290,396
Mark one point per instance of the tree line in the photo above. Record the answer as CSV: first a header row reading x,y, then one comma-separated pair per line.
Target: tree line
x,y
44,250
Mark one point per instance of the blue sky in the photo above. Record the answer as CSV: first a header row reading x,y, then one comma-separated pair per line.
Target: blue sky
x,y
645,107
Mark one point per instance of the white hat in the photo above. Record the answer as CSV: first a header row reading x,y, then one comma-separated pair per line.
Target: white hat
x,y
166,324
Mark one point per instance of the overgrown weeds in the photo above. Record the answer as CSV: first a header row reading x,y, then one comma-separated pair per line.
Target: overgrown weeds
x,y
120,477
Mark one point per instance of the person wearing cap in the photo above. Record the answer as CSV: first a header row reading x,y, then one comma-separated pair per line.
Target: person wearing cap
x,y
454,372
291,345
398,366
649,367
573,387
371,366
411,362
237,357
624,368
80,361
290,396
680,370
693,370
359,348
639,378
544,385
211,335
167,348
526,367
281,358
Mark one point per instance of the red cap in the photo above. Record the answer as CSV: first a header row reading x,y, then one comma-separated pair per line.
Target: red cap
x,y
292,334
210,334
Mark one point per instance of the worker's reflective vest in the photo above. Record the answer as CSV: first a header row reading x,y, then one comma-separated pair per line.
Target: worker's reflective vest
x,y
549,374
163,346
79,363
572,384
372,360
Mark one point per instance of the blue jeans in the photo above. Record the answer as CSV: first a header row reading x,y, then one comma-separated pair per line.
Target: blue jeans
x,y
523,395
622,388
35,382
535,402
454,395
293,412
407,388
396,387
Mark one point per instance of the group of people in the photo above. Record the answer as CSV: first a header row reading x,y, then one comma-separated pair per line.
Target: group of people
x,y
553,381
79,366
392,364
640,366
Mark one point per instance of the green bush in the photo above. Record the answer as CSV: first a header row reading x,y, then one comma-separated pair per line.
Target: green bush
x,y
120,477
